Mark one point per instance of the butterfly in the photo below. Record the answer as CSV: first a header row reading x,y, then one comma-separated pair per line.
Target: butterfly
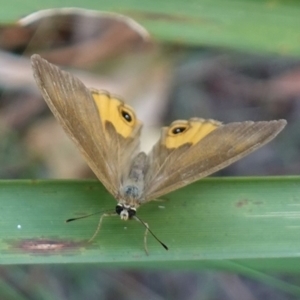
x,y
107,132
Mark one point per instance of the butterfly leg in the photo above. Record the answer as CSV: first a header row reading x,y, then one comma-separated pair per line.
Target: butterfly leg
x,y
100,223
160,200
145,238
146,234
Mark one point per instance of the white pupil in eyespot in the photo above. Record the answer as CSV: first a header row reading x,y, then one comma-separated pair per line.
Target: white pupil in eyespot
x,y
126,116
178,130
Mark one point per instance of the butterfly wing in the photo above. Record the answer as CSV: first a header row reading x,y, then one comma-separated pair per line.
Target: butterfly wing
x,y
104,128
190,150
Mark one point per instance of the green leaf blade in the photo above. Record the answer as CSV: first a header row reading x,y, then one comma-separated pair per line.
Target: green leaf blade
x,y
239,219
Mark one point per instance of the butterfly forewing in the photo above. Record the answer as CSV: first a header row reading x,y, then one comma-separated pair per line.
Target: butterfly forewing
x,y
73,105
172,168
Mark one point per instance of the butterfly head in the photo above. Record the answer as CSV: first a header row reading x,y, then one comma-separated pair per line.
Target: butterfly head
x,y
125,211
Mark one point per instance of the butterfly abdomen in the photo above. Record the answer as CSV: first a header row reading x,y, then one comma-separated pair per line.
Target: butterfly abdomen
x,y
133,185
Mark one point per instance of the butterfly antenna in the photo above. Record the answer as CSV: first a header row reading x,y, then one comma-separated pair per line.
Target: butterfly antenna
x,y
147,228
83,217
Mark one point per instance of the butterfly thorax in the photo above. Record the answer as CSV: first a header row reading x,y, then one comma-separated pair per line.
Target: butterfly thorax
x,y
132,187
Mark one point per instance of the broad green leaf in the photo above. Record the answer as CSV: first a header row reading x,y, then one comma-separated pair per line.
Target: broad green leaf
x,y
254,26
224,223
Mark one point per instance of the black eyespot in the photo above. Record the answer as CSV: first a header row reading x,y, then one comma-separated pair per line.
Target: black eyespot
x,y
119,209
177,130
126,116
131,212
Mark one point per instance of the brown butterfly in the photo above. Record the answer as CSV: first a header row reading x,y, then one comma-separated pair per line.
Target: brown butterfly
x,y
107,133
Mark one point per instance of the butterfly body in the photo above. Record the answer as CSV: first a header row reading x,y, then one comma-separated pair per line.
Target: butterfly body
x,y
107,132
132,187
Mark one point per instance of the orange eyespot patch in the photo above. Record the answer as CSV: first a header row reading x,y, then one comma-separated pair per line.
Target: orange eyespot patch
x,y
115,111
182,132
